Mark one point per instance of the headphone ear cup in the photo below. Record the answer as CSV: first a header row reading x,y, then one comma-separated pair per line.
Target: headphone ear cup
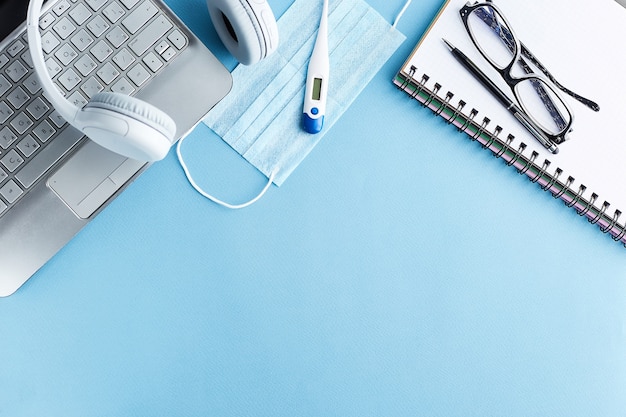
x,y
247,28
128,126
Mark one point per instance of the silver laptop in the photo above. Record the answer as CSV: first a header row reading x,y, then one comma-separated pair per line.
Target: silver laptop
x,y
53,180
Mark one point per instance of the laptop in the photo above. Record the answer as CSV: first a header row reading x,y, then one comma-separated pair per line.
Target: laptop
x,y
54,180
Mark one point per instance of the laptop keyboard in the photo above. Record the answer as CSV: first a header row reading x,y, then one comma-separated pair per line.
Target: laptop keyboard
x,y
90,46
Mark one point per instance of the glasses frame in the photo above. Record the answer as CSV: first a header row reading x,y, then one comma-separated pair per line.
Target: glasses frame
x,y
538,81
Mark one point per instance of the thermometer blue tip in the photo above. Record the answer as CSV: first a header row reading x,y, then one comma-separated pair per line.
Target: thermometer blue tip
x,y
312,125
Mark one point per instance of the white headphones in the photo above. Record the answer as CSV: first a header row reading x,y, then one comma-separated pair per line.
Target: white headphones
x,y
132,127
247,28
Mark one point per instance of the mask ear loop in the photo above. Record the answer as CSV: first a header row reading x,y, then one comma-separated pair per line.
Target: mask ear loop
x,y
399,16
215,199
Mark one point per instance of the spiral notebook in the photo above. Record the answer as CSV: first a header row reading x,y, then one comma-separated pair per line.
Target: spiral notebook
x,y
581,43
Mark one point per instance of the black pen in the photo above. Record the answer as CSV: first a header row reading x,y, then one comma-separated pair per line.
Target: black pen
x,y
503,98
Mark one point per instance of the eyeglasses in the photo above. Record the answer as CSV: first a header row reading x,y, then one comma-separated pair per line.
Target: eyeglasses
x,y
494,38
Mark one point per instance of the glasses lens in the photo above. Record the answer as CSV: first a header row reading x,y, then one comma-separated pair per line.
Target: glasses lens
x,y
543,105
492,35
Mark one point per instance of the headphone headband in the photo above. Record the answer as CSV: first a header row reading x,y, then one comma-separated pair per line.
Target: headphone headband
x,y
120,123
66,109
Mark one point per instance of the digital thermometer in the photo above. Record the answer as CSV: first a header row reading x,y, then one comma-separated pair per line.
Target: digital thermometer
x,y
316,90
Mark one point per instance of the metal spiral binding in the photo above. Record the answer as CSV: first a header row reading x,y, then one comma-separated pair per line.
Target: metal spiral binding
x,y
493,137
408,79
481,129
566,186
468,121
611,225
542,171
518,154
444,104
432,95
501,147
578,196
457,111
590,203
529,163
505,146
595,220
553,180
420,86
619,237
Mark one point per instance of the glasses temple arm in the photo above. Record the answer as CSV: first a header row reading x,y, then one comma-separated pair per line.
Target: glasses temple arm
x,y
507,38
589,103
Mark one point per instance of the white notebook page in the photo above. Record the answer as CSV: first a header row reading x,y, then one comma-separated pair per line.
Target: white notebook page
x,y
581,43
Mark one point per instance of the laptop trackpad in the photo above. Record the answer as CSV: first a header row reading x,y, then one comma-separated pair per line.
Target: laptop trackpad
x,y
90,177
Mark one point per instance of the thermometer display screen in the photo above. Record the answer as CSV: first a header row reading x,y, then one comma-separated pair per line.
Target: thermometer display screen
x,y
317,88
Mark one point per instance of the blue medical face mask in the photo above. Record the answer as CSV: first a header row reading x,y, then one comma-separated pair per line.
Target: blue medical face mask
x,y
261,118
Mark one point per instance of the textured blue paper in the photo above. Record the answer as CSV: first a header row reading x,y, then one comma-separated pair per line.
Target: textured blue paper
x,y
419,276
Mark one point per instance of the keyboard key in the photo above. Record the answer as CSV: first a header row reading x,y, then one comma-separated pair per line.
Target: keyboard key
x,y
114,12
37,108
139,75
168,54
46,21
161,47
150,35
98,26
101,51
123,59
53,67
140,16
7,137
108,73
80,14
123,86
77,99
82,40
57,119
32,83
21,123
64,28
66,54
152,61
85,65
5,112
96,4
44,131
4,84
16,48
12,160
11,191
69,79
91,87
60,7
16,71
178,39
18,97
129,4
28,59
49,42
117,36
28,146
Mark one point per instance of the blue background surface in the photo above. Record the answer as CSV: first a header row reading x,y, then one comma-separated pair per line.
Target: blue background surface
x,y
400,271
